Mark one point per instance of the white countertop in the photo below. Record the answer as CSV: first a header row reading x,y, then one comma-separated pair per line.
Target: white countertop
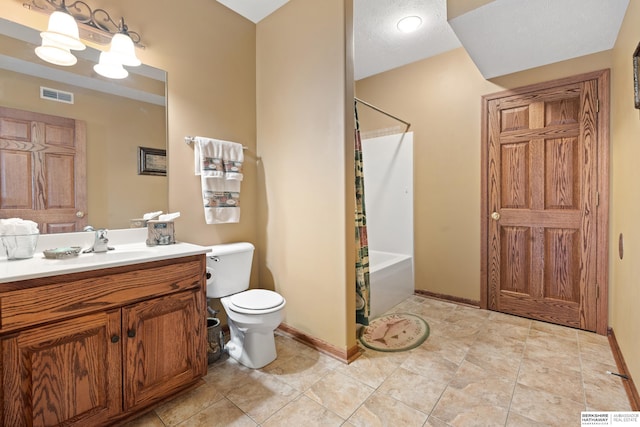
x,y
129,248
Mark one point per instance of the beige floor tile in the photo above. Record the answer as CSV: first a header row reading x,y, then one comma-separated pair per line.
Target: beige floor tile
x,y
605,392
339,393
183,407
517,420
462,333
147,420
508,330
382,410
557,343
262,396
430,364
494,361
226,374
434,310
373,367
560,381
506,346
303,412
459,409
545,356
435,422
545,408
419,392
485,385
221,414
600,352
468,316
300,372
495,316
555,330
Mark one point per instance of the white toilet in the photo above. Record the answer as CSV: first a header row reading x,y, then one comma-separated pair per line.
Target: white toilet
x,y
252,314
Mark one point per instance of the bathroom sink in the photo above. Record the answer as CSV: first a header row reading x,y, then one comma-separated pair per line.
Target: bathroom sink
x,y
123,254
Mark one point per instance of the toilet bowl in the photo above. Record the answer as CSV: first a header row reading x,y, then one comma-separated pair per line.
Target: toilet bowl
x,y
252,315
252,341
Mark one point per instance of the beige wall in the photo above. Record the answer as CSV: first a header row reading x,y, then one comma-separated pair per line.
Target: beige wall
x,y
302,178
624,291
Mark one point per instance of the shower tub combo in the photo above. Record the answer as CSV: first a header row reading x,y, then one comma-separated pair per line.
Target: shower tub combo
x,y
391,278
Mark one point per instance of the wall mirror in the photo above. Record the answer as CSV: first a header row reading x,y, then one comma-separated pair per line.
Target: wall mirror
x,y
120,116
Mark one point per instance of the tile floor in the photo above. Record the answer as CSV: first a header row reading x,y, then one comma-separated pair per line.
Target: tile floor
x,y
477,368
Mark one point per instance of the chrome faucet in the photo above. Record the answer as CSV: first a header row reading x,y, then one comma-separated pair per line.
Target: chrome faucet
x,y
100,243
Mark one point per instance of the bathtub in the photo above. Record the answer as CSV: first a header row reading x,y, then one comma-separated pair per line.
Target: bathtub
x,y
391,278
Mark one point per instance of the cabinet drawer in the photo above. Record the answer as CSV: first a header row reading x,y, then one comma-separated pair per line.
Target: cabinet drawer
x,y
26,307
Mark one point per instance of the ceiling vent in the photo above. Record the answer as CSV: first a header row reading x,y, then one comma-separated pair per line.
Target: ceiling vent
x,y
56,95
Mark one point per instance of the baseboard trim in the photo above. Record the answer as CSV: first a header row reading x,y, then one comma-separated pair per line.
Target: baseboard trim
x,y
448,298
344,356
629,385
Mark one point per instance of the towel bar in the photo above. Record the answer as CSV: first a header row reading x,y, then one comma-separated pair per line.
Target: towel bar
x,y
191,139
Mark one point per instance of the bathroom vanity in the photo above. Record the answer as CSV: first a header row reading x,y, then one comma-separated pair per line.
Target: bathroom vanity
x,y
96,339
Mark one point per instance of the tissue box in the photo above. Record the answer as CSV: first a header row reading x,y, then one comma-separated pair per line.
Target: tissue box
x,y
160,233
137,223
19,246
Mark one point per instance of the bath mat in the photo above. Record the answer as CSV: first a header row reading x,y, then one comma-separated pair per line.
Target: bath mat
x,y
395,332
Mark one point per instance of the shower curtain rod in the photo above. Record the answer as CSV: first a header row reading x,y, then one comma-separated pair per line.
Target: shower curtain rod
x,y
383,112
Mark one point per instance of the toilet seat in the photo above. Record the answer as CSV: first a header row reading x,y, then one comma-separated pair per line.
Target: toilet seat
x,y
255,301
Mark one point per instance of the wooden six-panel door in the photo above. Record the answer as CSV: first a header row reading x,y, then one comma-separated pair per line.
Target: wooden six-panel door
x,y
545,201
43,170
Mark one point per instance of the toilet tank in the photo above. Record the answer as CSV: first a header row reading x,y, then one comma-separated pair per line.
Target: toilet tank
x,y
228,269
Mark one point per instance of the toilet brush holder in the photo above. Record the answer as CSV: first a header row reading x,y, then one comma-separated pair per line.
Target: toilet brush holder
x,y
214,339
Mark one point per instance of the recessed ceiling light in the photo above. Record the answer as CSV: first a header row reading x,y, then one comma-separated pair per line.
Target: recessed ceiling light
x,y
409,23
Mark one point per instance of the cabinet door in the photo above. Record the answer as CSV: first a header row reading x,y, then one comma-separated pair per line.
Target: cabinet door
x,y
64,373
164,346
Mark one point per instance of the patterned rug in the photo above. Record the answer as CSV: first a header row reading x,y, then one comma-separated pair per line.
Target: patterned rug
x,y
395,332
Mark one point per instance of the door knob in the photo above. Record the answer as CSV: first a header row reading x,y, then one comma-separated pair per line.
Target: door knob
x,y
80,214
495,216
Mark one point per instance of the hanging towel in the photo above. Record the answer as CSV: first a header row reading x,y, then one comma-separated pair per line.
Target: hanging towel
x,y
219,164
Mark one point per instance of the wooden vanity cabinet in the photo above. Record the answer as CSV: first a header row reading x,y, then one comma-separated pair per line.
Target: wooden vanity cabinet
x,y
117,342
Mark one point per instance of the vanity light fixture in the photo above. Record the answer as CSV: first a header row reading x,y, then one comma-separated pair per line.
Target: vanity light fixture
x,y
96,25
110,67
56,54
409,24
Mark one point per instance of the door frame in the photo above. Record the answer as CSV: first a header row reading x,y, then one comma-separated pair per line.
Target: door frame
x,y
602,210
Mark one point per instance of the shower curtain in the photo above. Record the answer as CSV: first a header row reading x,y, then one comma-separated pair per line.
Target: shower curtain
x,y
362,245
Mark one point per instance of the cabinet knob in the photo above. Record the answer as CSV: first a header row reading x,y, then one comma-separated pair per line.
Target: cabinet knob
x,y
131,333
115,339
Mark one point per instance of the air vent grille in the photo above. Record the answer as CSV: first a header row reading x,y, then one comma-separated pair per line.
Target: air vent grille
x,y
56,95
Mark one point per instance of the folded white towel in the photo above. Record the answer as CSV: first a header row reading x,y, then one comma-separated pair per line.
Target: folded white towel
x,y
219,164
233,158
208,155
17,226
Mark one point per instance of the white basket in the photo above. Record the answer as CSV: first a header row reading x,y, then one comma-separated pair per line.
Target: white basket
x,y
19,246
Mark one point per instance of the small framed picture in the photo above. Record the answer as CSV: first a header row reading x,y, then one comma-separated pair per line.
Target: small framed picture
x,y
636,82
152,161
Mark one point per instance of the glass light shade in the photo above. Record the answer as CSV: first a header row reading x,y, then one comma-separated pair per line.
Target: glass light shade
x,y
409,24
122,48
63,31
110,67
55,54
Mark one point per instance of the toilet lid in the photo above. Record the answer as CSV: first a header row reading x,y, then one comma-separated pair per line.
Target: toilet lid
x,y
257,299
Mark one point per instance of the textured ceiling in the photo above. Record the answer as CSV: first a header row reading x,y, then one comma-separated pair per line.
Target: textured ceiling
x,y
501,37
380,46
